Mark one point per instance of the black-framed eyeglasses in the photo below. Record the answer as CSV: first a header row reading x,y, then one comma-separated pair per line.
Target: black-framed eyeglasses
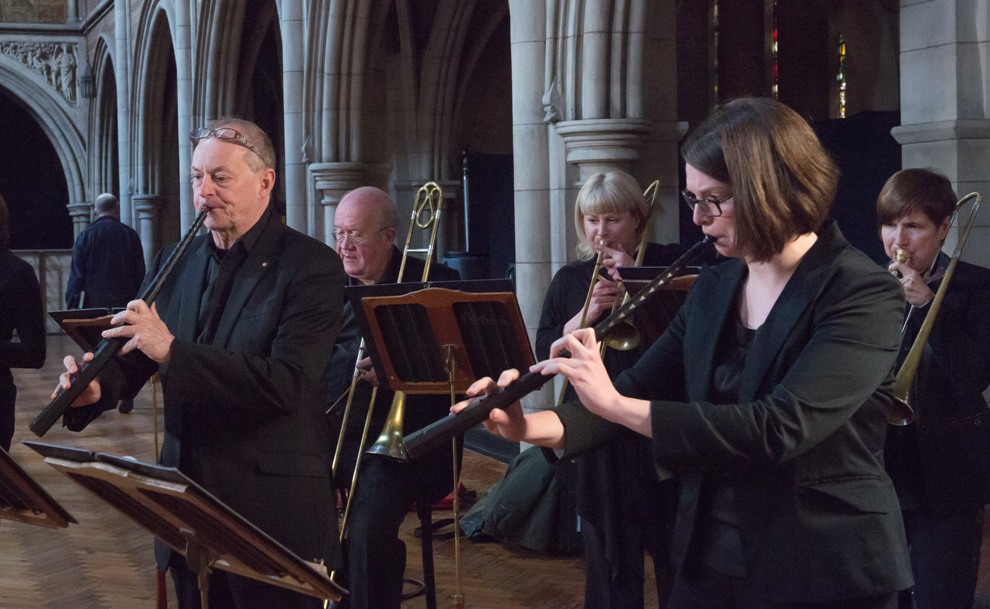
x,y
354,237
711,207
227,134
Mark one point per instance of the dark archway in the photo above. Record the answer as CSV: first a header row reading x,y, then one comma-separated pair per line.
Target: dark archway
x,y
32,181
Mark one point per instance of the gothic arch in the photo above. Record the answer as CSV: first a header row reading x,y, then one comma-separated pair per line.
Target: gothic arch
x,y
61,128
216,56
105,165
154,127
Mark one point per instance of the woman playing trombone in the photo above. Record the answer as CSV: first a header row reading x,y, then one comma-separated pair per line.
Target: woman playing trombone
x,y
940,464
763,393
616,523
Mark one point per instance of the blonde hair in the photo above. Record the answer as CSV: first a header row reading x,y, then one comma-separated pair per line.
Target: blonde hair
x,y
610,192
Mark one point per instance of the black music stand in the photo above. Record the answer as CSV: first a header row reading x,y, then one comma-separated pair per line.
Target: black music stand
x,y
193,522
22,499
653,317
413,328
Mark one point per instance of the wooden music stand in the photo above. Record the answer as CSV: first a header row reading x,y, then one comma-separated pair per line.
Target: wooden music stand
x,y
22,499
193,522
414,327
84,325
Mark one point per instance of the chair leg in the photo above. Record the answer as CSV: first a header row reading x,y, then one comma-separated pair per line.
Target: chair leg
x,y
426,542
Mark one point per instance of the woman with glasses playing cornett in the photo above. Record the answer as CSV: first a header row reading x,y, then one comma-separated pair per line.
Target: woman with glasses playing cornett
x,y
616,524
763,393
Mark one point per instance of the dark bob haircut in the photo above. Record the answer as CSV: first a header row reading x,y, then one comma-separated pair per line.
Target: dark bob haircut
x,y
783,182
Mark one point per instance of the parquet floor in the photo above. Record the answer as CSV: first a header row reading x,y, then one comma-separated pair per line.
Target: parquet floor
x,y
106,561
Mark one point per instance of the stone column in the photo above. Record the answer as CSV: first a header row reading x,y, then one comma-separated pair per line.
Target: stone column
x,y
531,167
600,144
81,214
122,76
331,181
944,122
184,95
293,37
147,207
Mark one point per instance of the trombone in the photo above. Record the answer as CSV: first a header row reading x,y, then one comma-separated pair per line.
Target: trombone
x,y
426,211
624,337
901,413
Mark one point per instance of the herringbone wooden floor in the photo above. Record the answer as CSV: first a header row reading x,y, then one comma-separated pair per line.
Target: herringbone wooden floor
x,y
106,561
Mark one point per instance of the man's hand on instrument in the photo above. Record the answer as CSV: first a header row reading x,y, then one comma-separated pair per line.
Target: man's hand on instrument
x,y
90,394
509,423
145,329
367,371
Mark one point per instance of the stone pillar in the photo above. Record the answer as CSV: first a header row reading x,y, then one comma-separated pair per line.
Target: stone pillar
x,y
122,73
331,181
943,123
147,207
293,36
184,95
531,167
81,214
600,144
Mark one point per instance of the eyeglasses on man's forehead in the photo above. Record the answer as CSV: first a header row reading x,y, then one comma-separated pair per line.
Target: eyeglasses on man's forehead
x,y
227,134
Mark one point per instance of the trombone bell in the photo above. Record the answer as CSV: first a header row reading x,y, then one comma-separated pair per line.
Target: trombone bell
x,y
389,443
899,413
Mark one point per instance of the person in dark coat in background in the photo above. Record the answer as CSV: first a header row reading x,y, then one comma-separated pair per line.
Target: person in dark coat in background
x,y
940,464
21,312
365,228
107,265
624,508
107,261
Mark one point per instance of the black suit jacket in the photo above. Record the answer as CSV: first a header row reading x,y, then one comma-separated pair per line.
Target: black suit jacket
x,y
244,415
942,461
818,516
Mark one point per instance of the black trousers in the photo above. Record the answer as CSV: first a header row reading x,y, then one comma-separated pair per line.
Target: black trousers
x,y
376,557
708,589
945,559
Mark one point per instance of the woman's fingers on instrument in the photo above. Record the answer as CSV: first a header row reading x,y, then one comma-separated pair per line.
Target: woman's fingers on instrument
x,y
507,377
482,386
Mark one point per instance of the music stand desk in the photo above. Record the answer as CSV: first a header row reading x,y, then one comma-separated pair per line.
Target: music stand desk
x,y
653,317
193,522
22,498
84,325
412,328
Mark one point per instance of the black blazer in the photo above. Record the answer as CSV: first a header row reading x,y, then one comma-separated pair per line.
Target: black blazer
x,y
818,516
244,415
942,461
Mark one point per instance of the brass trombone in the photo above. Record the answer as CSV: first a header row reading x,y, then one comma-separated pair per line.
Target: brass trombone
x,y
426,212
429,199
901,412
624,337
